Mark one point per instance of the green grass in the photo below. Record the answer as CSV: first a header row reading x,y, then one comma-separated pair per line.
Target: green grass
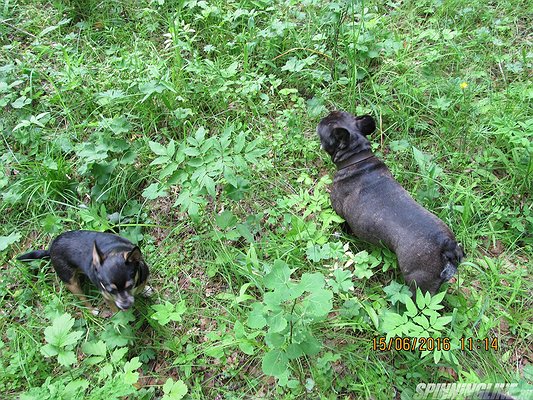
x,y
189,127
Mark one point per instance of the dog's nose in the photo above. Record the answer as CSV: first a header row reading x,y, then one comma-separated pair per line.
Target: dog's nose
x,y
124,303
124,306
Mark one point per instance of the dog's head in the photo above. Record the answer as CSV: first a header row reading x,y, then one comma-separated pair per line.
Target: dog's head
x,y
118,274
343,134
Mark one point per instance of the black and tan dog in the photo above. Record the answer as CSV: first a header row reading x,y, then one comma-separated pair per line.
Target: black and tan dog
x,y
379,210
111,262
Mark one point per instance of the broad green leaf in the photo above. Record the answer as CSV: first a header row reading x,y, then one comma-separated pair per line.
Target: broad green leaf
x,y
130,375
49,351
66,358
256,319
280,275
422,321
440,322
276,321
6,241
174,390
94,348
21,102
164,313
319,303
310,346
275,362
153,191
118,354
158,149
274,339
59,334
294,350
225,219
246,347
397,292
411,308
434,304
310,282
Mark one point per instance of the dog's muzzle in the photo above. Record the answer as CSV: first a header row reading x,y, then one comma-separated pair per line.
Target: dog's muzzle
x,y
124,301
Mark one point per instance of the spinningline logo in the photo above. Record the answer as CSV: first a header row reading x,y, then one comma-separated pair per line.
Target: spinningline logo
x,y
442,391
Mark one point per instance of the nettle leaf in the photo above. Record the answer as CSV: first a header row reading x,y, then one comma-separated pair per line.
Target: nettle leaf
x,y
174,390
275,363
280,275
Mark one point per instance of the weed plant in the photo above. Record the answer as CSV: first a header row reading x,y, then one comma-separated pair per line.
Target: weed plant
x,y
188,127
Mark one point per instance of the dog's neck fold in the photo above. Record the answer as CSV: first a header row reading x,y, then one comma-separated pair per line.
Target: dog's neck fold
x,y
354,159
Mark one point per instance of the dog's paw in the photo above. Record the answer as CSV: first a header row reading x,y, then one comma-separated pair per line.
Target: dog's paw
x,y
148,291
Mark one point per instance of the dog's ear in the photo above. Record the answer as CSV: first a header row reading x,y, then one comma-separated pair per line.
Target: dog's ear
x,y
365,124
98,257
134,256
341,135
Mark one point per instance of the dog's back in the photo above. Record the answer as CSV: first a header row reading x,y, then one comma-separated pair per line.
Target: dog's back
x,y
379,210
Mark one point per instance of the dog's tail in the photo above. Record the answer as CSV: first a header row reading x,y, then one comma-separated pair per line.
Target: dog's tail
x,y
34,255
452,255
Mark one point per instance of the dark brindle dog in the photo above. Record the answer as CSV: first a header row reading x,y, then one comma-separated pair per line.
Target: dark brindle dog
x,y
380,211
111,262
